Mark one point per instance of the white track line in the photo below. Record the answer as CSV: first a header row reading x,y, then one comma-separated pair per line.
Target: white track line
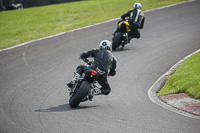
x,y
22,44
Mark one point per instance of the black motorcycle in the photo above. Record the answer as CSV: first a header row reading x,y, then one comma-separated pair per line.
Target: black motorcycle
x,y
84,88
121,36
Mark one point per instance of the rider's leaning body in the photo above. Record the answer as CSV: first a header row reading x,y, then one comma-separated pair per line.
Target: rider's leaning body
x,y
104,60
136,20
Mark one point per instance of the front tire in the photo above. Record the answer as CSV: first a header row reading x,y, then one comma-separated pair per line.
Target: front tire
x,y
80,94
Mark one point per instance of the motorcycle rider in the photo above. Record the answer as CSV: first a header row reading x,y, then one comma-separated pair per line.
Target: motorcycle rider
x,y
136,21
104,61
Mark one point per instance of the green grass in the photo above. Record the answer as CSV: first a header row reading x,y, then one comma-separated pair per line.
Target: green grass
x,y
185,79
19,26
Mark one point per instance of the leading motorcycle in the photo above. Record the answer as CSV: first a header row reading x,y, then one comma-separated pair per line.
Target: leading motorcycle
x,y
85,87
121,36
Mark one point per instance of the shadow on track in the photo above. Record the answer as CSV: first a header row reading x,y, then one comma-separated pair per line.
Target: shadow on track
x,y
121,49
63,108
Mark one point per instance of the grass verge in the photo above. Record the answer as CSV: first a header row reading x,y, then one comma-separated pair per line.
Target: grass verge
x,y
185,79
19,26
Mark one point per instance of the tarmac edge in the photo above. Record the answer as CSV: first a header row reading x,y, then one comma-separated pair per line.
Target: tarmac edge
x,y
160,83
62,33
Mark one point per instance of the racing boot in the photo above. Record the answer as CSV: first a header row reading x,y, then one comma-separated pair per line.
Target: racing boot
x,y
72,82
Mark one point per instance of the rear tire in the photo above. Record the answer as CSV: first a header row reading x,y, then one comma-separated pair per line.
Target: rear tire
x,y
117,40
80,94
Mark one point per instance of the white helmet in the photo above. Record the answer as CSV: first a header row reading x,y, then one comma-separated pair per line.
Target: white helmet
x,y
137,6
105,44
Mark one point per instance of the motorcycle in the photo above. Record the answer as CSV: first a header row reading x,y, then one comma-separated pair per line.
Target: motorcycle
x,y
121,36
85,87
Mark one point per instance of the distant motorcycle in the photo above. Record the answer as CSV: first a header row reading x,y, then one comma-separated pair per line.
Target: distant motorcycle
x,y
121,36
84,88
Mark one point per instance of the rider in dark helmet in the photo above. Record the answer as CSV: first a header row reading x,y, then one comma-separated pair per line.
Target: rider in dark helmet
x,y
104,62
136,21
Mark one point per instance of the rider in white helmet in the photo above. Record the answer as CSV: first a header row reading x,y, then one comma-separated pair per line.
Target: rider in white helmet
x,y
137,6
104,61
136,20
105,44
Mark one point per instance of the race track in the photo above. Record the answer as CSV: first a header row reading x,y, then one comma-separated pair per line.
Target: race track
x,y
33,77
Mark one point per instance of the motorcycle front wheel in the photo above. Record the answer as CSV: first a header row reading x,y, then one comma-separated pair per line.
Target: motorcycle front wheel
x,y
80,94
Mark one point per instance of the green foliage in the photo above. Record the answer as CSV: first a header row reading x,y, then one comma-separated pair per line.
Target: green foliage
x,y
18,26
185,79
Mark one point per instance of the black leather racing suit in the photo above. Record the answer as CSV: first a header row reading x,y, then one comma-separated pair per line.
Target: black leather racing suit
x,y
136,21
106,62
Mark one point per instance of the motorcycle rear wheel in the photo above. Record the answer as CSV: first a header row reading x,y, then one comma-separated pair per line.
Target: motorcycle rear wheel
x,y
80,94
117,40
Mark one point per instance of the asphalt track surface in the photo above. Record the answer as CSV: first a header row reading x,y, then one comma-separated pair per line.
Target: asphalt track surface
x,y
34,96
